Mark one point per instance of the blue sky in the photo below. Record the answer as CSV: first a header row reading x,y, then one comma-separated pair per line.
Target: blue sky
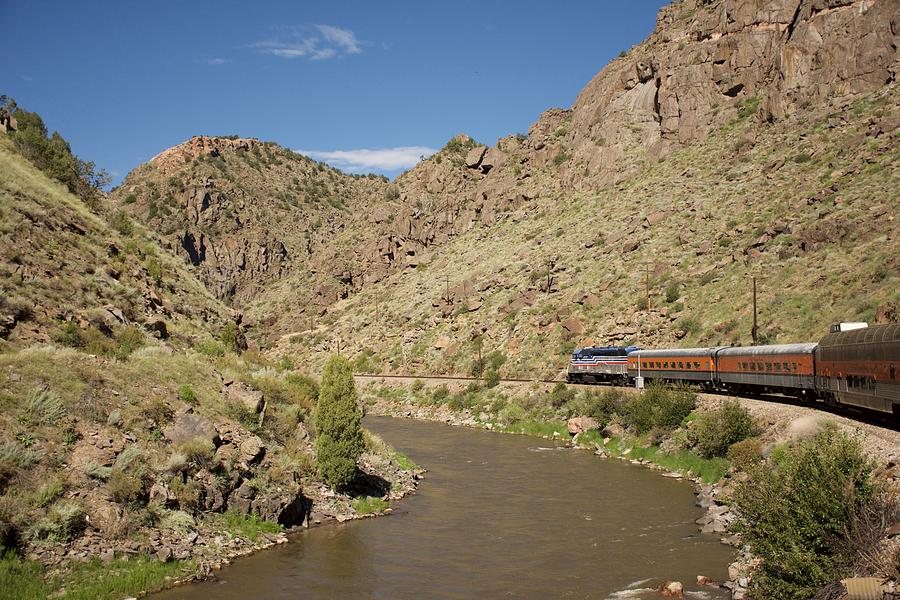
x,y
368,86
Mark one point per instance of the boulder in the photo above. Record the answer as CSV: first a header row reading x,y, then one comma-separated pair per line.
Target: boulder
x,y
250,399
241,499
189,426
671,589
252,450
492,158
613,430
578,425
287,508
473,158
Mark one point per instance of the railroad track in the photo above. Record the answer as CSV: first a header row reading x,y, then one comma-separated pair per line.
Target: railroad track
x,y
871,418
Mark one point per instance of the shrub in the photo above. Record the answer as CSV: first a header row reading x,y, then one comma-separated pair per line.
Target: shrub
x,y
339,439
177,520
188,493
64,522
561,395
14,456
440,394
601,405
638,412
209,347
187,394
43,407
745,454
417,386
96,471
199,452
492,379
511,414
125,488
796,510
229,337
716,431
121,223
673,292
48,493
690,325
670,405
303,390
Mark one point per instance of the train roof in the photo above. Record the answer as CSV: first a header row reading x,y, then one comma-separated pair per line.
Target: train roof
x,y
674,352
866,335
774,349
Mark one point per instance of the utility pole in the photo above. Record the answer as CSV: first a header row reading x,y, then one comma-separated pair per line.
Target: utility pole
x,y
754,332
447,288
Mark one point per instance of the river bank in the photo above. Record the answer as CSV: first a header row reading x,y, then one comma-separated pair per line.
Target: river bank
x,y
776,427
497,516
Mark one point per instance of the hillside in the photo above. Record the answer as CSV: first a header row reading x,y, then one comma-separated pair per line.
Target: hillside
x,y
131,423
739,140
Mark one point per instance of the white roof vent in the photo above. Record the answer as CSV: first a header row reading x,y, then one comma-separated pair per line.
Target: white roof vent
x,y
839,327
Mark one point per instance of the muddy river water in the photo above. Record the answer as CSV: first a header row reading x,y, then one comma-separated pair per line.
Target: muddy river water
x,y
497,516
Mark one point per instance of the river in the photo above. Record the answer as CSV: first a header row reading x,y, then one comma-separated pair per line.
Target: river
x,y
497,516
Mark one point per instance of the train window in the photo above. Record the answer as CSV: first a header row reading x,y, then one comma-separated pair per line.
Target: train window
x,y
769,366
744,366
778,367
696,365
666,365
752,366
680,365
786,367
793,366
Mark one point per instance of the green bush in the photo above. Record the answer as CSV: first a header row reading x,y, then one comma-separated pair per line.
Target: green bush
x,y
210,347
417,386
673,292
638,413
796,510
492,378
440,394
187,394
64,522
303,390
125,488
229,336
716,431
601,405
745,454
339,438
511,414
561,395
670,404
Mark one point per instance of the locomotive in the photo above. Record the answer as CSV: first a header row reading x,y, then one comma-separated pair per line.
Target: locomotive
x,y
855,366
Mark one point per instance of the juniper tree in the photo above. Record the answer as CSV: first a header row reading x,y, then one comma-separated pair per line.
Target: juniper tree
x,y
339,438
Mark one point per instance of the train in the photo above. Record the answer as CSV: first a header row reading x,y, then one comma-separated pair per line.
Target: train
x,y
853,365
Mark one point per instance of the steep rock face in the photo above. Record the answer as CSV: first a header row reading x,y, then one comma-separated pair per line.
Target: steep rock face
x,y
244,212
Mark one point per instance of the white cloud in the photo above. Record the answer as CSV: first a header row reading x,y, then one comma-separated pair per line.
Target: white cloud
x,y
316,43
367,159
217,61
343,38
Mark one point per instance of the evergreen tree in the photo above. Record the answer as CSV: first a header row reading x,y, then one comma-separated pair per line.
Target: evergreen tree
x,y
339,438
